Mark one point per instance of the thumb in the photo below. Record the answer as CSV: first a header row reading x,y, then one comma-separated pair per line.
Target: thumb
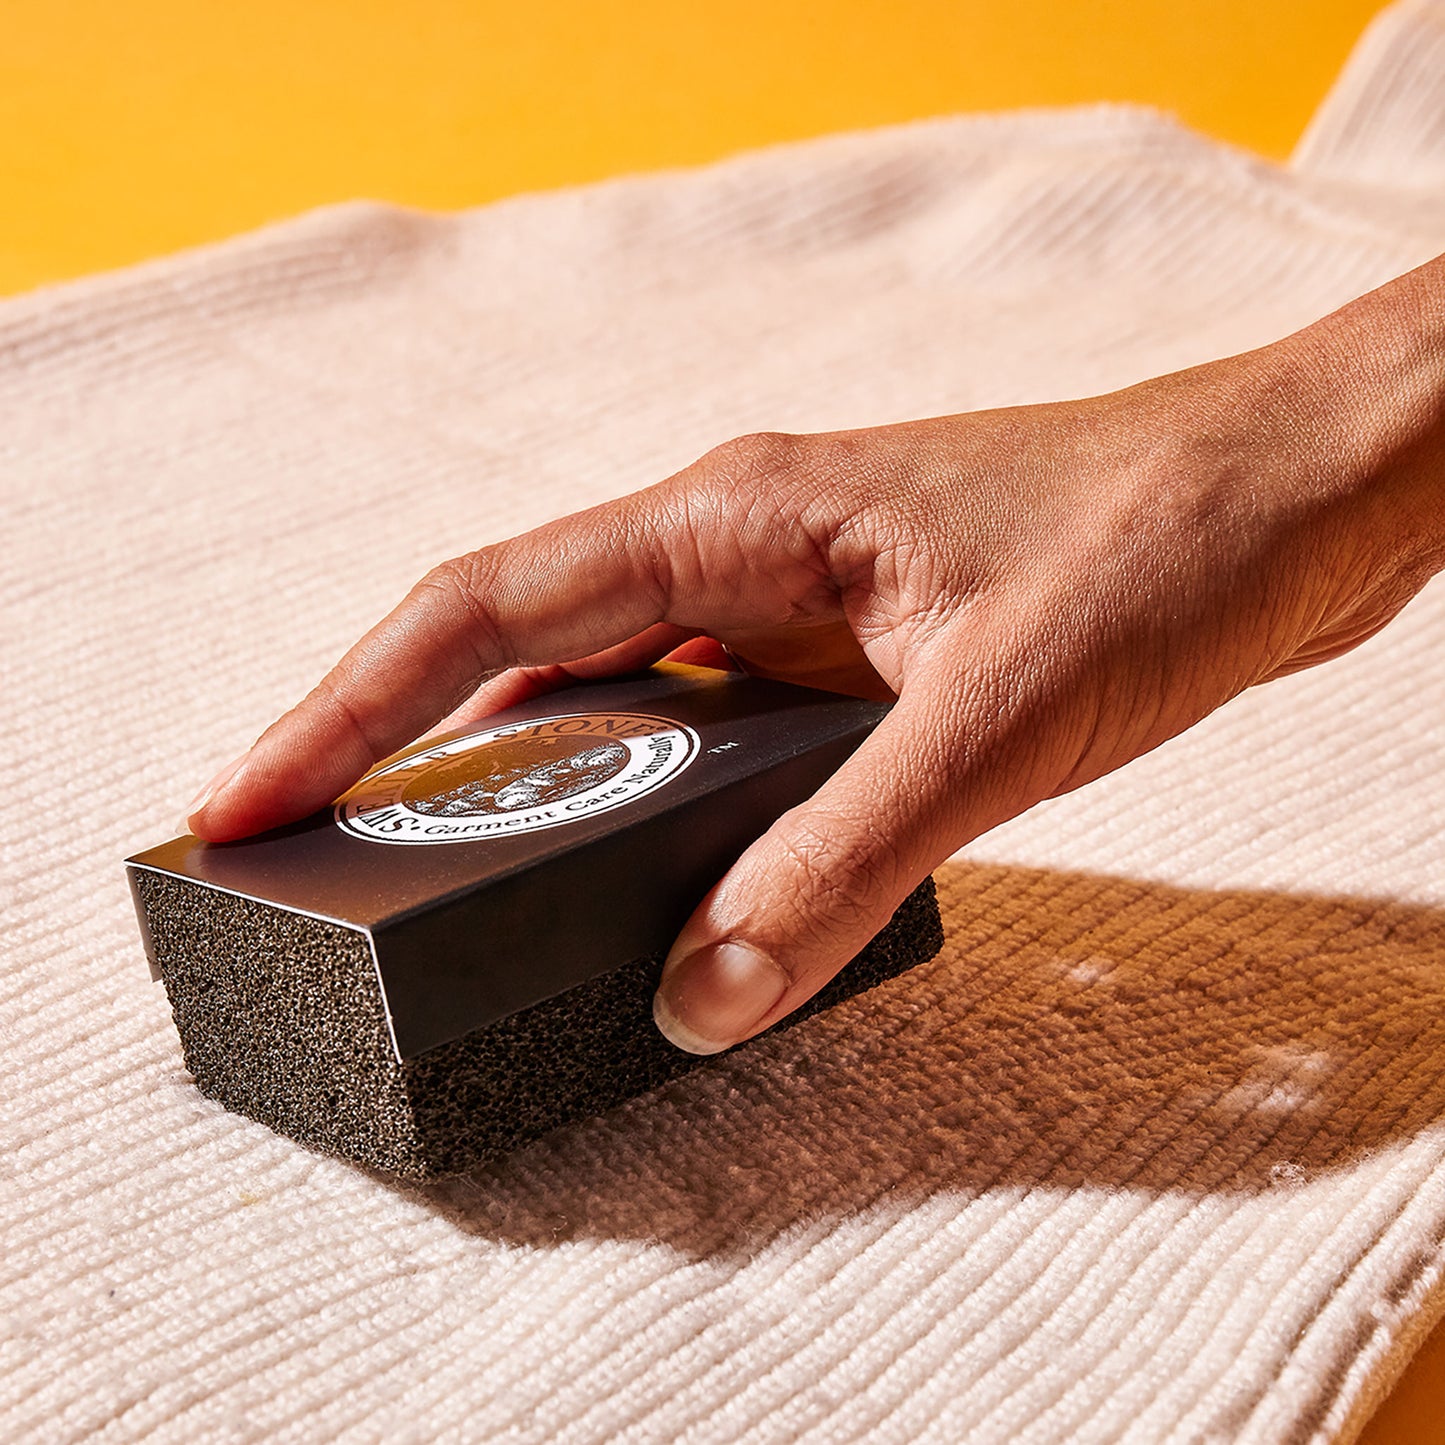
x,y
826,877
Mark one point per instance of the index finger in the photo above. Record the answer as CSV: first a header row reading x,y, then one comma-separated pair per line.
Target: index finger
x,y
568,588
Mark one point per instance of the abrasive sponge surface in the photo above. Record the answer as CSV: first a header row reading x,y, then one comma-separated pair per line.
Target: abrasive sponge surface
x,y
281,1018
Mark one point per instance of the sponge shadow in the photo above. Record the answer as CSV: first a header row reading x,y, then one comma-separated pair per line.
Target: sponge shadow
x,y
1074,1030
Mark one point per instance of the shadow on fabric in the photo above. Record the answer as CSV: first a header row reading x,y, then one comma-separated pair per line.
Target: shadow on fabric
x,y
1075,1030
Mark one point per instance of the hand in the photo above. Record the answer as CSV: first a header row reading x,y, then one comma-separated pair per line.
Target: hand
x,y
1047,591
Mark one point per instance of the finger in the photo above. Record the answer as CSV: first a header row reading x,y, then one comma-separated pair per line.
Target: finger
x,y
710,549
815,889
573,587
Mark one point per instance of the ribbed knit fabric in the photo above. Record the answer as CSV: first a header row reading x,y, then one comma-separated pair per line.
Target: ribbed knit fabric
x,y
1155,1150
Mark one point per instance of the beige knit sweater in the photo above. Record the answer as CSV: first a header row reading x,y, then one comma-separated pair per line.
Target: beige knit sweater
x,y
1155,1150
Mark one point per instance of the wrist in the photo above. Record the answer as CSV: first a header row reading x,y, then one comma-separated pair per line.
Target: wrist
x,y
1359,397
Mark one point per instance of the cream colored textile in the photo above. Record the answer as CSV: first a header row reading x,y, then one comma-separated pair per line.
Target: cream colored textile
x,y
1154,1151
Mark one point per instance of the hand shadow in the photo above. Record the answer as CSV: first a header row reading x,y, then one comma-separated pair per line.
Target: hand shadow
x,y
1074,1030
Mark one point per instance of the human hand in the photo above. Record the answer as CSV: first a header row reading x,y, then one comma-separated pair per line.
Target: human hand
x,y
1047,591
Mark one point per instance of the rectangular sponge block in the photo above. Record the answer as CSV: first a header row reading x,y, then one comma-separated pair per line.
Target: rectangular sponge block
x,y
280,1018
461,954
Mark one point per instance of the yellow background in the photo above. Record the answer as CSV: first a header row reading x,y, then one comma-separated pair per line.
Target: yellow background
x,y
127,130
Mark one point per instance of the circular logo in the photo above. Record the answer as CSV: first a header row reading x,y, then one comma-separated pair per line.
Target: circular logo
x,y
519,778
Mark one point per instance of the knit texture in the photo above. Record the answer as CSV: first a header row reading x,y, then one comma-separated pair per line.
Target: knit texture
x,y
1154,1150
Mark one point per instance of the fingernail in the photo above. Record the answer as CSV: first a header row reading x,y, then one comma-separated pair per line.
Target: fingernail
x,y
204,797
715,997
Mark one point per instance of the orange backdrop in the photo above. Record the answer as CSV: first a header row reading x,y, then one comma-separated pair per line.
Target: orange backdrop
x,y
131,129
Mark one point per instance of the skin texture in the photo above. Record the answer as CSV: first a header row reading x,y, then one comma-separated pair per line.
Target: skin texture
x,y
1047,591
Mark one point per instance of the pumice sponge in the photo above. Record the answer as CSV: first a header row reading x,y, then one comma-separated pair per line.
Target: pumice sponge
x,y
461,954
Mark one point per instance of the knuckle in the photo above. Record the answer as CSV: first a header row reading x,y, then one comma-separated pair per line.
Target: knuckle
x,y
839,871
813,499
758,458
774,493
465,584
456,578
334,700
